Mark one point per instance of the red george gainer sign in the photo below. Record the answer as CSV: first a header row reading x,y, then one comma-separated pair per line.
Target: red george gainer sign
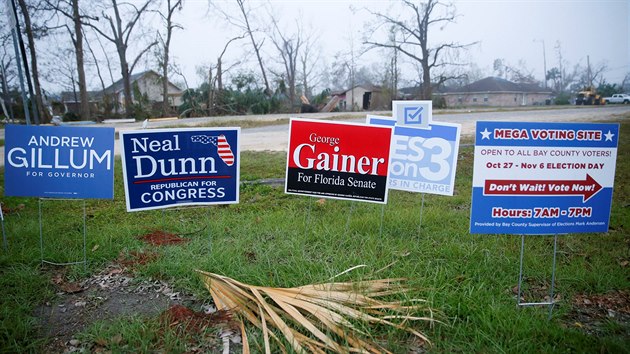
x,y
338,160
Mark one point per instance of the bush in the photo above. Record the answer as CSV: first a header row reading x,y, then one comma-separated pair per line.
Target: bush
x,y
71,117
562,99
439,102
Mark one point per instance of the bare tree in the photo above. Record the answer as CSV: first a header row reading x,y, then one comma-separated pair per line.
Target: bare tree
x,y
625,83
63,70
71,11
518,73
30,37
414,40
309,58
6,75
289,48
171,7
120,35
243,23
216,96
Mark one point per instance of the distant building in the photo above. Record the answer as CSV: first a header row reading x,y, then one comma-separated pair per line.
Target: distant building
x,y
112,98
361,97
71,101
494,91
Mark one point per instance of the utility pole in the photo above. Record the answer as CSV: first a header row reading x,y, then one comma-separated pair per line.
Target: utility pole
x,y
588,71
559,49
544,60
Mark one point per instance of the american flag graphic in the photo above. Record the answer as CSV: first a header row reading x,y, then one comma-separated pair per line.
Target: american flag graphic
x,y
223,148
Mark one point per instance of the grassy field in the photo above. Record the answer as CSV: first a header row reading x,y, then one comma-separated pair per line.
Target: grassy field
x,y
273,239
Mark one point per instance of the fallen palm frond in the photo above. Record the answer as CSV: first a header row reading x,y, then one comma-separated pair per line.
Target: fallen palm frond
x,y
311,317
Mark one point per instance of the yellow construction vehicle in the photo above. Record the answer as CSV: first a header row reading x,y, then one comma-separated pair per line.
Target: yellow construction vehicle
x,y
589,96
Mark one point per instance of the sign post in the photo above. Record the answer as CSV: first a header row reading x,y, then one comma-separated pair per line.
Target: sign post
x,y
543,179
59,163
338,160
423,158
5,246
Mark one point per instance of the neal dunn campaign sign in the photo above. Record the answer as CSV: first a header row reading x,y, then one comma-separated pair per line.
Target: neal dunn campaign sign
x,y
181,167
338,160
59,162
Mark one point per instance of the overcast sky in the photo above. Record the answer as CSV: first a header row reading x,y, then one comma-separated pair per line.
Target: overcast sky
x,y
513,30
510,29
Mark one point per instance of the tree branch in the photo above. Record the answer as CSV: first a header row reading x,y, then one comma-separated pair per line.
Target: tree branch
x,y
140,55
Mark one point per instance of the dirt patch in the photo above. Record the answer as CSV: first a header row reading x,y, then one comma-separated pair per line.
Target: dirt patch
x,y
162,238
597,314
107,295
183,319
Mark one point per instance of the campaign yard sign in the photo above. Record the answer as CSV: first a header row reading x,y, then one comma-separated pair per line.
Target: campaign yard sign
x,y
417,114
59,162
422,160
180,167
338,160
543,178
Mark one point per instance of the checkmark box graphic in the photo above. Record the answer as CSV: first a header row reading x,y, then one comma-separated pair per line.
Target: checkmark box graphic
x,y
413,115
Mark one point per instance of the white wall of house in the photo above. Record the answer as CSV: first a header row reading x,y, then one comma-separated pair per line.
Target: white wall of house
x,y
347,103
497,99
151,85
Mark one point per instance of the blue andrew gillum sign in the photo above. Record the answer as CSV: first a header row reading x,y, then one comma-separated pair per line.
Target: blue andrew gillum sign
x,y
180,167
59,162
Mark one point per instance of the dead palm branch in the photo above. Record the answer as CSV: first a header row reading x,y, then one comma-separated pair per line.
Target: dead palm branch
x,y
318,318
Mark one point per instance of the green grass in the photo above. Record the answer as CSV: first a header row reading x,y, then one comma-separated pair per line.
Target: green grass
x,y
273,239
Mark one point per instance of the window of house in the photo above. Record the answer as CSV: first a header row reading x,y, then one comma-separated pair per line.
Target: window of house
x,y
460,99
485,99
474,99
514,98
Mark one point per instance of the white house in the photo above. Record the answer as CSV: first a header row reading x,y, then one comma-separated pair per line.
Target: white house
x,y
149,83
362,97
494,91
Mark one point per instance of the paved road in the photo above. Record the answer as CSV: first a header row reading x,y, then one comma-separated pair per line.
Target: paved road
x,y
275,137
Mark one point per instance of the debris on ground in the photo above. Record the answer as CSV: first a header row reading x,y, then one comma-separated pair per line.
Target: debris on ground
x,y
592,313
7,210
136,258
161,238
111,293
185,319
300,313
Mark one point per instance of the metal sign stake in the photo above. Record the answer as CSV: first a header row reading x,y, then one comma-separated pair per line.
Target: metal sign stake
x,y
421,213
551,301
382,215
210,229
41,236
349,216
5,245
307,221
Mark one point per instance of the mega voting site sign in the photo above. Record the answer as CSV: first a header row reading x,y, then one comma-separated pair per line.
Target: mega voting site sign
x,y
422,160
338,160
59,162
180,167
543,178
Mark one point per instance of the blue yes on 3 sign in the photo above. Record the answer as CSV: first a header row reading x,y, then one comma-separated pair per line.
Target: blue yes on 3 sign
x,y
180,167
413,113
59,162
422,160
